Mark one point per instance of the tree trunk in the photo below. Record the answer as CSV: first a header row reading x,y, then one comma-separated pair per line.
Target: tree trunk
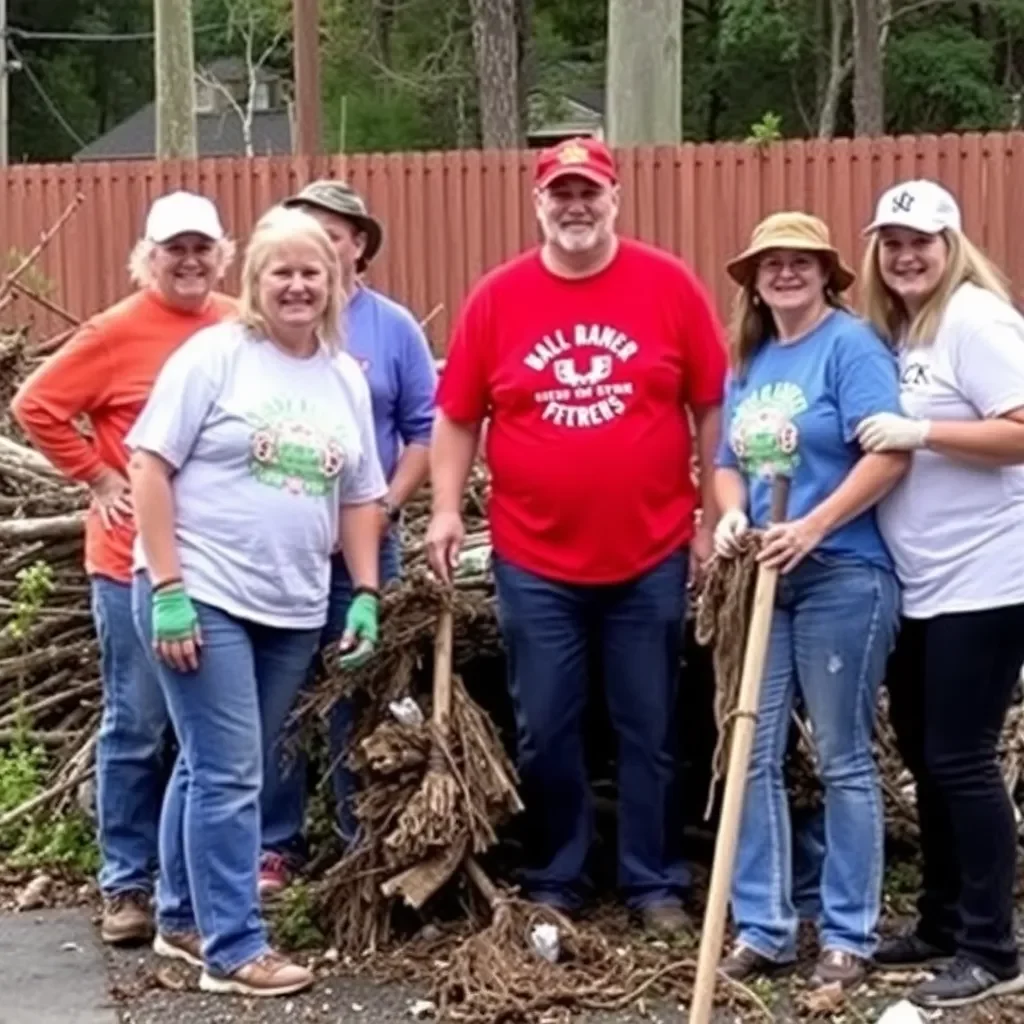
x,y
644,72
526,62
868,85
175,83
838,69
494,47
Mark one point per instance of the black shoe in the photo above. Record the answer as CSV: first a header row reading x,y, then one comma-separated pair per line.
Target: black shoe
x,y
963,983
909,950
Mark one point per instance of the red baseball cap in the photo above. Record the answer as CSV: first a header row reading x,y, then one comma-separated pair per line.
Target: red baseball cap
x,y
584,157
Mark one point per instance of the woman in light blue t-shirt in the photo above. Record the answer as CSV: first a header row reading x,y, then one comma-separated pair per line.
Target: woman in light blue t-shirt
x,y
804,373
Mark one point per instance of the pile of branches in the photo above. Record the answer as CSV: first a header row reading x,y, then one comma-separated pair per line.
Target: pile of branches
x,y
49,673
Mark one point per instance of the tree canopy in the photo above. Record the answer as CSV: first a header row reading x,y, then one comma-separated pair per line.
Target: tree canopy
x,y
403,74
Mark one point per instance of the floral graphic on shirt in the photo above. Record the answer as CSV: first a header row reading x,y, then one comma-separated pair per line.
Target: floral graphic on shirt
x,y
763,433
584,363
294,448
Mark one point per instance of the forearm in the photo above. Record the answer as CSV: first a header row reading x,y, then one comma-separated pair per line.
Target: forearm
x,y
451,458
62,445
865,485
410,474
994,442
708,422
359,537
153,500
730,490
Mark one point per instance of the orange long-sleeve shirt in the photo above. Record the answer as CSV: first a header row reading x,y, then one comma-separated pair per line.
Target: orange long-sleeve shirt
x,y
105,372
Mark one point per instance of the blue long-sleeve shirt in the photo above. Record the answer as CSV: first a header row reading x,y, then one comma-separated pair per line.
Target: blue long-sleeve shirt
x,y
389,345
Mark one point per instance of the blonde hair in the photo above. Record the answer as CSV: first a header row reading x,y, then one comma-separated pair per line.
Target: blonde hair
x,y
752,324
888,315
277,227
140,260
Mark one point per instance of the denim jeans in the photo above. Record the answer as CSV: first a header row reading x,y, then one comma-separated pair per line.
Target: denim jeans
x,y
951,680
637,629
833,627
223,714
132,761
285,789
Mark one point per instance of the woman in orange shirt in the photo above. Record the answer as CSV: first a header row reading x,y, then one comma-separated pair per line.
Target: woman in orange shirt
x,y
105,373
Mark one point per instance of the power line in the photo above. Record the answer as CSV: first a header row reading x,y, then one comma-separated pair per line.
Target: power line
x,y
44,96
94,37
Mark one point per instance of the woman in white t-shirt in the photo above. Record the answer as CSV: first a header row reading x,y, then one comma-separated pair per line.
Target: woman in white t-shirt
x,y
955,527
253,456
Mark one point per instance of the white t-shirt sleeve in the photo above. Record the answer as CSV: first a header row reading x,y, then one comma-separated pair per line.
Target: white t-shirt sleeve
x,y
987,356
181,399
363,481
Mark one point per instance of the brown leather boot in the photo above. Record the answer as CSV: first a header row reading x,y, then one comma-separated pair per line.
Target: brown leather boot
x,y
127,918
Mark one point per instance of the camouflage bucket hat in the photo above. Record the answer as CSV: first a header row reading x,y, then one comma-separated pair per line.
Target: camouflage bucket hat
x,y
340,198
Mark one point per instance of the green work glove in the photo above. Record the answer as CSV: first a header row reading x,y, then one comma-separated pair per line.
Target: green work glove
x,y
174,615
361,631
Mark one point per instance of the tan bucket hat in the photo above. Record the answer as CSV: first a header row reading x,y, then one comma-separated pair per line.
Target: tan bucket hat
x,y
791,230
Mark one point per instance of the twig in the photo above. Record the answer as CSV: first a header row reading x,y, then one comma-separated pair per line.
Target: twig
x,y
46,303
47,237
82,771
22,530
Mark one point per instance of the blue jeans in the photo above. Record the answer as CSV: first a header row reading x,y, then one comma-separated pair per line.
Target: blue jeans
x,y
284,796
832,630
223,714
637,629
132,748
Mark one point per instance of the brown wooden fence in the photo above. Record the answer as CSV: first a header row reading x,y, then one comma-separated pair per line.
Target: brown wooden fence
x,y
450,216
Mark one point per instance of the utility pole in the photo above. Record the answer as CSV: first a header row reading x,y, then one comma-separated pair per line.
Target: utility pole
x,y
5,75
644,75
175,80
306,29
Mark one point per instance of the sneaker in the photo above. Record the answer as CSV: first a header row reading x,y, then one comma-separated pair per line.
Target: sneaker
x,y
744,963
909,950
274,874
127,918
666,921
963,983
268,975
838,967
185,946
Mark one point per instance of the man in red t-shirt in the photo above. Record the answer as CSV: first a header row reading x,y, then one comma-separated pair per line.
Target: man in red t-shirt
x,y
585,358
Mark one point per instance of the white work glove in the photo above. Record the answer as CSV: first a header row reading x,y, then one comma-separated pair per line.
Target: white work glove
x,y
887,432
728,532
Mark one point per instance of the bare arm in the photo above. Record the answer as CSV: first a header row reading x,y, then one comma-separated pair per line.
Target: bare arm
x,y
730,490
153,500
451,458
708,422
359,539
870,480
992,442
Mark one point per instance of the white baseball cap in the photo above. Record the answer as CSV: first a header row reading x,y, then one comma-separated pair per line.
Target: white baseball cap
x,y
180,213
920,205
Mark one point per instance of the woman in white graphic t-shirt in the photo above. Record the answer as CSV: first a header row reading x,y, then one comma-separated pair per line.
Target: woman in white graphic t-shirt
x,y
254,454
955,526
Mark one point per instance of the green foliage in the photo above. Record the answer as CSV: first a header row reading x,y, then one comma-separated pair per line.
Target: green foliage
x,y
35,584
292,919
943,79
768,129
34,842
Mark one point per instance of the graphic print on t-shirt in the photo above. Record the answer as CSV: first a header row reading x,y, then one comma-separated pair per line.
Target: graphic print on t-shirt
x,y
293,448
589,368
763,433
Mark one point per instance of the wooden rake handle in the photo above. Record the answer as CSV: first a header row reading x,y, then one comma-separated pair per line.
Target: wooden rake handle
x,y
743,729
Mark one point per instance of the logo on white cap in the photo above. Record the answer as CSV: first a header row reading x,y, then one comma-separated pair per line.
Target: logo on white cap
x,y
183,213
922,205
